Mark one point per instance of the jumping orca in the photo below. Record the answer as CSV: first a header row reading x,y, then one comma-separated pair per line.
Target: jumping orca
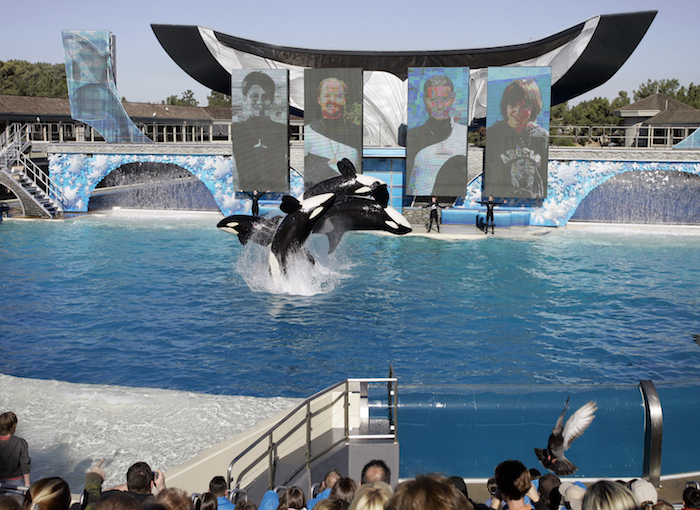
x,y
295,228
359,213
562,436
260,229
350,183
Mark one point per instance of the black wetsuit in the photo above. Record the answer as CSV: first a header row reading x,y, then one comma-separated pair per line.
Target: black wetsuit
x,y
489,214
255,197
434,208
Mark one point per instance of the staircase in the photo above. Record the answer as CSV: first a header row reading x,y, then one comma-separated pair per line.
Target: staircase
x,y
39,196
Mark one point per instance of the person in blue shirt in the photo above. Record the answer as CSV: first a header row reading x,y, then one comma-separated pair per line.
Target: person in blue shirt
x,y
327,485
219,488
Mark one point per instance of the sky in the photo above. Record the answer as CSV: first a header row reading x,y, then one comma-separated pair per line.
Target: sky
x,y
145,73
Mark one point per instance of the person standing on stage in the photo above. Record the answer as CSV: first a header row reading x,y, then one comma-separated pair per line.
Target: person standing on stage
x,y
434,214
255,196
489,212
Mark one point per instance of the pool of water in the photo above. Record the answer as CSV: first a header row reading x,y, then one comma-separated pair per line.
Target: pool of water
x,y
169,302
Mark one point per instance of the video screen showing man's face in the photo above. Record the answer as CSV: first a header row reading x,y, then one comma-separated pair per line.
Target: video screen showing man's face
x,y
332,122
517,134
260,114
436,144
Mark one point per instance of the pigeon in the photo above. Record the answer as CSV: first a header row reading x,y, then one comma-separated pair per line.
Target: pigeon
x,y
562,436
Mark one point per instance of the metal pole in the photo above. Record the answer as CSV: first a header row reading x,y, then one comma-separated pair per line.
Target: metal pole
x,y
653,432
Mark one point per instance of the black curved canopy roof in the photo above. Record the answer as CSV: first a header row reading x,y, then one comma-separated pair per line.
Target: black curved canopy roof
x,y
614,40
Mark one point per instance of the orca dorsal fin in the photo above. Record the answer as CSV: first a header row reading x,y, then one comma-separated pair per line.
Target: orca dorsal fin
x,y
380,192
289,204
347,169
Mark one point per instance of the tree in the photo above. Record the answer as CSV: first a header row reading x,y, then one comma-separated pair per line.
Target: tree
x,y
218,100
665,87
187,99
689,96
21,78
621,100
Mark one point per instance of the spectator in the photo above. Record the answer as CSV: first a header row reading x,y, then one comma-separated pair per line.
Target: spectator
x,y
326,485
47,494
459,484
513,482
15,463
120,501
372,496
292,499
343,489
376,471
246,505
691,497
549,490
8,502
429,492
572,495
172,499
219,488
208,501
332,504
605,495
644,491
140,481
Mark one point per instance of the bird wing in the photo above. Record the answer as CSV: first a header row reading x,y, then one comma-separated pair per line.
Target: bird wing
x,y
560,421
578,423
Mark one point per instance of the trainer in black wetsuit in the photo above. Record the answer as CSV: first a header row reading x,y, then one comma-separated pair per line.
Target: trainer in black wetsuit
x,y
434,208
489,212
255,196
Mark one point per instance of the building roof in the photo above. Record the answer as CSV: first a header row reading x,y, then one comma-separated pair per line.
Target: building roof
x,y
33,106
651,106
675,117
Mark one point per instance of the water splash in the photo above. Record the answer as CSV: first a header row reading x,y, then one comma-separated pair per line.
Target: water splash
x,y
301,278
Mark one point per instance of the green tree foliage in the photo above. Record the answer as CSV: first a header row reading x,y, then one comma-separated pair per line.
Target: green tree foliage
x,y
218,100
186,99
689,96
21,78
596,112
666,87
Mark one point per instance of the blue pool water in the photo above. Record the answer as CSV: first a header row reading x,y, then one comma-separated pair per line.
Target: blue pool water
x,y
170,302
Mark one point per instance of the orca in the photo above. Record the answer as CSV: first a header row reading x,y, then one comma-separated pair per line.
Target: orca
x,y
359,213
259,229
350,183
295,228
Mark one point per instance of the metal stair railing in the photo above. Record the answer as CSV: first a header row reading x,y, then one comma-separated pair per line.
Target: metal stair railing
x,y
14,143
326,410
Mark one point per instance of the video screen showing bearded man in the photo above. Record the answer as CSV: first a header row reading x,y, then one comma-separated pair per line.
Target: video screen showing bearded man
x,y
517,135
260,129
332,122
436,145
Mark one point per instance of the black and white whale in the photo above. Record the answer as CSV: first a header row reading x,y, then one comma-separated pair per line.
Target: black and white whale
x,y
350,183
259,229
359,213
296,227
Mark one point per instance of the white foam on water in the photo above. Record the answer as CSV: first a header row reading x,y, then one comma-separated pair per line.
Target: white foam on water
x,y
301,277
70,427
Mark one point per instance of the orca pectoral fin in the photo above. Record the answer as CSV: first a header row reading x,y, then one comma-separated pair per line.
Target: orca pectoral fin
x,y
380,192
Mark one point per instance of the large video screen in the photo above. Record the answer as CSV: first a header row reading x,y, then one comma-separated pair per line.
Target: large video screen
x,y
260,103
436,144
332,122
92,90
517,132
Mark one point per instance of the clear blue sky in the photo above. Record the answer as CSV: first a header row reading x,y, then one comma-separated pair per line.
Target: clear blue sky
x,y
32,31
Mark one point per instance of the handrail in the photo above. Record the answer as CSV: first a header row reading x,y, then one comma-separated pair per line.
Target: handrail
x,y
291,427
653,432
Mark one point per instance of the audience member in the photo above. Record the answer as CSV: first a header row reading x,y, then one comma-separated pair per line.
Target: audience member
x,y
10,502
535,474
140,481
429,492
292,499
372,496
219,488
343,489
326,485
47,494
172,499
572,495
459,484
246,505
208,501
513,482
605,495
644,491
549,490
15,463
120,501
332,504
691,497
376,471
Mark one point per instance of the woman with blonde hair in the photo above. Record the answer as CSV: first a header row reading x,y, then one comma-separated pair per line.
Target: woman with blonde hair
x,y
372,496
605,495
47,494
